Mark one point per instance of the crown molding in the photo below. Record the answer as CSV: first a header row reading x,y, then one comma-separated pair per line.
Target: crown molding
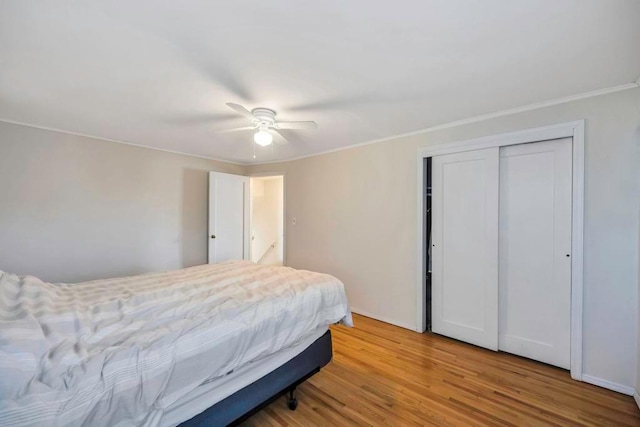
x,y
475,119
447,125
99,138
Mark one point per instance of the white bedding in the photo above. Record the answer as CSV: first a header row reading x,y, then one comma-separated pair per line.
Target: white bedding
x,y
210,393
118,351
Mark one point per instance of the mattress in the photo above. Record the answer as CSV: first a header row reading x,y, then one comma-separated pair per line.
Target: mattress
x,y
121,351
212,392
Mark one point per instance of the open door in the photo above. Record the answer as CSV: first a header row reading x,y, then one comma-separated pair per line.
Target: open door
x,y
465,188
228,217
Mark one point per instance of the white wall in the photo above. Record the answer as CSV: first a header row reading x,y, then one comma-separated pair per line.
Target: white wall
x,y
356,219
636,395
266,220
75,208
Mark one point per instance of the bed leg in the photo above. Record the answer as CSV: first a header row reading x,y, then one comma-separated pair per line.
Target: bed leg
x,y
292,403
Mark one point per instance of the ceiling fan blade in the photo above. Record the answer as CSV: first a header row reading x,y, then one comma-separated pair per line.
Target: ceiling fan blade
x,y
236,129
296,125
282,139
241,110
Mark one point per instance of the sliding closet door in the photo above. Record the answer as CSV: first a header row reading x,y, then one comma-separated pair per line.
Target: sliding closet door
x,y
465,246
535,251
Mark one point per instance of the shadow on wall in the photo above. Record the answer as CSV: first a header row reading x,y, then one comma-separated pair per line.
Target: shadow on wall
x,y
195,190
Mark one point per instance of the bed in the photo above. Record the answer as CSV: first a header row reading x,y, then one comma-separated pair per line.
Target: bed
x,y
205,345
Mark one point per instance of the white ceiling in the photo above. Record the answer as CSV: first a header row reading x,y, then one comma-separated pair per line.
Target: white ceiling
x,y
159,73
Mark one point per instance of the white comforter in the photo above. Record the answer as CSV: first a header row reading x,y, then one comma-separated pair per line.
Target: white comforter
x,y
112,352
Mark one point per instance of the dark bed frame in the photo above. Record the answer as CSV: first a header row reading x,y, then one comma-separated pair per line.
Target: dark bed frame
x,y
247,401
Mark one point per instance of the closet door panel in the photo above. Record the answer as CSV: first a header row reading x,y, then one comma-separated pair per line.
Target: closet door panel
x,y
535,248
465,246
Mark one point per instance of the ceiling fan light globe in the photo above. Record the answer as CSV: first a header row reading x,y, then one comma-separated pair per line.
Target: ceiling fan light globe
x,y
263,138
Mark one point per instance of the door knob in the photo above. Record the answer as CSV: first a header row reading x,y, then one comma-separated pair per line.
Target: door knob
x,y
213,236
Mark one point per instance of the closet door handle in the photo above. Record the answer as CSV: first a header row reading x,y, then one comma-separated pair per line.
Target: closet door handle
x,y
213,236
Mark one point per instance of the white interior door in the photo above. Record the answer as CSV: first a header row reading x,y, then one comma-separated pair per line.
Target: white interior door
x,y
228,217
465,204
535,250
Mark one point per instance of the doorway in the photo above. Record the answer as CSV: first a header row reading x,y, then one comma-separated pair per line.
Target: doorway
x,y
267,220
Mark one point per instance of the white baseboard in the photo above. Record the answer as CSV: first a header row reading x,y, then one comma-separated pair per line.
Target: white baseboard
x,y
383,319
609,384
636,397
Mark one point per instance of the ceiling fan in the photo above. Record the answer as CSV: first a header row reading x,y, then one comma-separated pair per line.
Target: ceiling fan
x,y
264,121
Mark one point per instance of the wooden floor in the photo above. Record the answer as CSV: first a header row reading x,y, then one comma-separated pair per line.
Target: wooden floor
x,y
383,375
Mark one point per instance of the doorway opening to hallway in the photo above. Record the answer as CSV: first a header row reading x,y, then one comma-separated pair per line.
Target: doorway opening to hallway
x,y
267,220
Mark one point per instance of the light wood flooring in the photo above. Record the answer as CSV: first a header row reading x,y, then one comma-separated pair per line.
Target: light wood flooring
x,y
383,375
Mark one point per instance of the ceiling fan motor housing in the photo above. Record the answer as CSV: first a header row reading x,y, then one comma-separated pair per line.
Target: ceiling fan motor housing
x,y
265,115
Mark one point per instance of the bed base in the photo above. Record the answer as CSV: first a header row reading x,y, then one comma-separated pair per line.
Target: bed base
x,y
247,401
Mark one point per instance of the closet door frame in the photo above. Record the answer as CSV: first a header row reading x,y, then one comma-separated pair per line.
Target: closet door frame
x,y
574,130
